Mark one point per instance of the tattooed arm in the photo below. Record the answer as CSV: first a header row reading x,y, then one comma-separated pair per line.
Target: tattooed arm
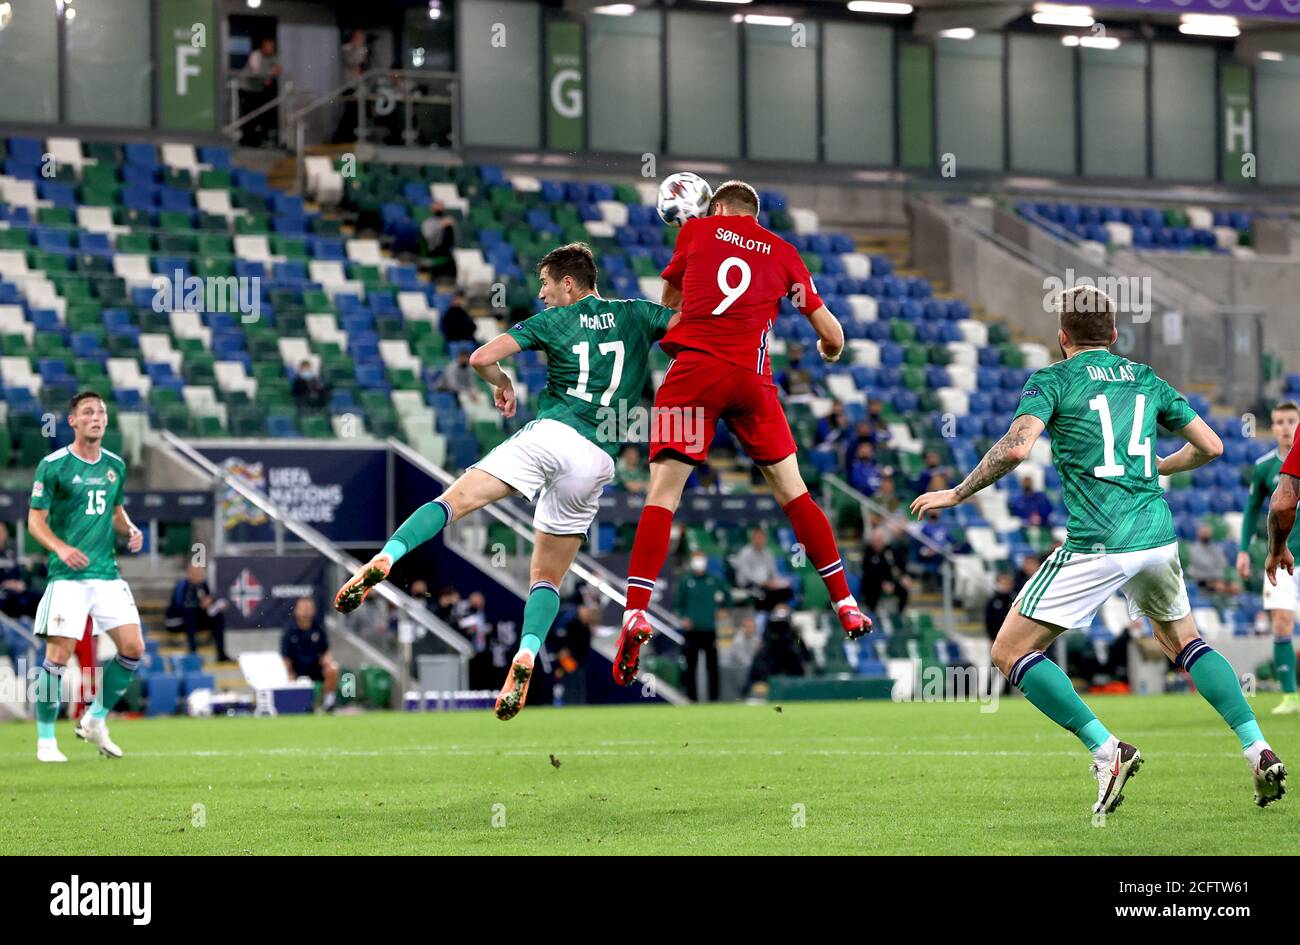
x,y
1202,446
1005,455
1281,519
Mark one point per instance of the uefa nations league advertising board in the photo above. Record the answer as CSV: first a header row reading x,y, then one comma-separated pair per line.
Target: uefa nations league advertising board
x,y
340,492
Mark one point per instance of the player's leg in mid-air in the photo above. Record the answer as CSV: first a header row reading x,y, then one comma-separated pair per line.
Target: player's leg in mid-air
x,y
1280,603
574,472
749,404
472,491
552,557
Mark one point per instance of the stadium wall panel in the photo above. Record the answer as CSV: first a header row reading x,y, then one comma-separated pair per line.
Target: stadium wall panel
x,y
780,93
29,63
1114,111
858,93
968,102
703,91
500,67
1043,106
625,92
915,105
110,65
1183,111
1277,122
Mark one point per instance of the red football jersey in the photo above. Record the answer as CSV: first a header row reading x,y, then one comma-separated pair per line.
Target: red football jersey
x,y
733,274
1291,465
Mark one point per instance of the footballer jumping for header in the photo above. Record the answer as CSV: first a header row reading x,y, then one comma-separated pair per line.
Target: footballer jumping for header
x,y
728,274
597,362
77,512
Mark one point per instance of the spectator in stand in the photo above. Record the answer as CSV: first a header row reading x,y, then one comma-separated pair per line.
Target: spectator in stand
x,y
457,325
887,495
995,612
699,595
459,377
631,472
17,598
439,234
707,481
782,652
929,557
863,473
354,59
876,418
756,571
571,642
883,574
472,620
1038,535
419,589
306,650
863,430
796,380
933,467
310,393
1207,565
835,428
193,610
447,603
742,649
1029,566
260,84
1030,502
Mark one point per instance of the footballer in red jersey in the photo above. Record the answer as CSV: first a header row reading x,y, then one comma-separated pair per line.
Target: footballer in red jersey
x,y
728,276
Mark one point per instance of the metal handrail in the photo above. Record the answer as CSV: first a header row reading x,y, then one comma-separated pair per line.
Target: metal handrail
x,y
584,566
231,130
326,98
408,605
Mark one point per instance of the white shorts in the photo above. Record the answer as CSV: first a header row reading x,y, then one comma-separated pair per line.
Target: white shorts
x,y
1287,592
1070,587
66,604
555,466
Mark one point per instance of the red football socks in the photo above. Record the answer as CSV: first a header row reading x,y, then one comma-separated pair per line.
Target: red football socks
x,y
649,551
813,530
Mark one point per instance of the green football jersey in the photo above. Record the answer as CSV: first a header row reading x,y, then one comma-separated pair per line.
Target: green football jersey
x,y
1101,412
597,359
82,498
1263,480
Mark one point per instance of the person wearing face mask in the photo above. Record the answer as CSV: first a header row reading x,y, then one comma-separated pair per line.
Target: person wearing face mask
x,y
309,391
699,595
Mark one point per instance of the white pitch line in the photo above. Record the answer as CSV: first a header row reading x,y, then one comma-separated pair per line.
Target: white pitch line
x,y
458,752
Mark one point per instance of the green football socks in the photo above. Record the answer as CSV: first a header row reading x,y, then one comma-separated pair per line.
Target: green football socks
x,y
1216,681
423,524
1284,661
1050,691
48,697
117,676
539,613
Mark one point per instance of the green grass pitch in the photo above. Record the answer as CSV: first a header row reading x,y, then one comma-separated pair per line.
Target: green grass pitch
x,y
864,777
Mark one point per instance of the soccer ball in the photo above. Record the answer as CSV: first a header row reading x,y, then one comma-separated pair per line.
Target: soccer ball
x,y
682,197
